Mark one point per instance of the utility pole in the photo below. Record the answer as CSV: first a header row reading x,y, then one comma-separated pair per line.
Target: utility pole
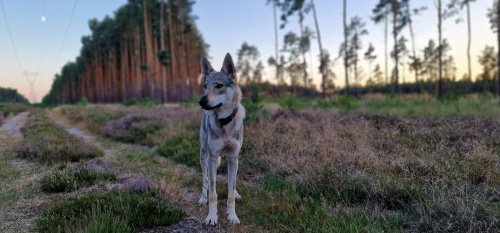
x,y
31,77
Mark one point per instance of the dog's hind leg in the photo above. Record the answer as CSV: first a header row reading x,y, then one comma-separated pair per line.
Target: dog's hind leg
x,y
212,194
231,182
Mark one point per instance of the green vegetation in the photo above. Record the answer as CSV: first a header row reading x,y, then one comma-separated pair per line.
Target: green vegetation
x,y
182,149
8,95
130,102
281,206
135,128
45,141
73,179
13,108
83,102
129,210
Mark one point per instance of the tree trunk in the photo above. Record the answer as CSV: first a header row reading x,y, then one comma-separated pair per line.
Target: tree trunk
x,y
162,47
412,38
322,58
468,45
173,63
386,56
440,51
498,51
276,45
149,51
304,68
395,33
346,58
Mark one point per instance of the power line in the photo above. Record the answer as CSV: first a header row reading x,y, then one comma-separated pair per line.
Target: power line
x,y
65,34
10,35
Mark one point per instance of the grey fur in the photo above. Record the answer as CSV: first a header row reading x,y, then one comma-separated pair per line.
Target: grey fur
x,y
222,95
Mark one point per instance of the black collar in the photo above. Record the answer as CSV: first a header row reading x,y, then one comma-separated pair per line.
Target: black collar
x,y
225,121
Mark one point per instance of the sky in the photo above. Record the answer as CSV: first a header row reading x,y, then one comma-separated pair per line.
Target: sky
x,y
46,34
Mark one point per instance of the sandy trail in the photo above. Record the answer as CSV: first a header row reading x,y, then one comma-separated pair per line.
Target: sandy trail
x,y
113,151
19,197
11,127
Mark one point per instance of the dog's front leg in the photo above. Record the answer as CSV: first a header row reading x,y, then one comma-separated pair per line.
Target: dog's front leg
x,y
204,167
212,194
231,182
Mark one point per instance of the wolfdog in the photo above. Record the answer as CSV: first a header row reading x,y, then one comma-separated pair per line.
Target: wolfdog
x,y
221,133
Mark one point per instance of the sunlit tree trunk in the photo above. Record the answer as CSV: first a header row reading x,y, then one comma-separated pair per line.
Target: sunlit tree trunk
x,y
278,83
440,51
173,63
149,51
498,50
395,33
322,58
468,45
346,57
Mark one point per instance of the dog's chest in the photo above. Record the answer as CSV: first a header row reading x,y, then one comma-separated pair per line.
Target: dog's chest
x,y
226,137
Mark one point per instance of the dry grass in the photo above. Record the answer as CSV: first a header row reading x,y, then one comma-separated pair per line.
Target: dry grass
x,y
441,174
369,172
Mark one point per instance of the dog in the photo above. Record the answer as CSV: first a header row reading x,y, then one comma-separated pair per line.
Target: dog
x,y
221,133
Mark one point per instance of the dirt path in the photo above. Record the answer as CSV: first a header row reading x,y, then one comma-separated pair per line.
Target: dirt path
x,y
129,170
21,202
11,127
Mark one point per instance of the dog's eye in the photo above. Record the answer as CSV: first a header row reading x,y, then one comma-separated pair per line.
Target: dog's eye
x,y
219,85
204,85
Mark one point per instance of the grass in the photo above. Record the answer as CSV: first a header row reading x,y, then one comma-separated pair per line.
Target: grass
x,y
135,124
282,206
8,175
408,106
112,211
415,164
182,149
45,141
73,178
12,108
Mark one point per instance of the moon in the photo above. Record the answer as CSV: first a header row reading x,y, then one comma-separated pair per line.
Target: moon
x,y
43,18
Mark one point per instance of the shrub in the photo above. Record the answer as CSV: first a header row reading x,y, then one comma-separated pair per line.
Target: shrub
x,y
147,102
346,102
134,128
83,102
130,102
13,108
254,111
182,149
127,209
73,179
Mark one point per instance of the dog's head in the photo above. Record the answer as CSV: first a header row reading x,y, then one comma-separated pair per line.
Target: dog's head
x,y
219,88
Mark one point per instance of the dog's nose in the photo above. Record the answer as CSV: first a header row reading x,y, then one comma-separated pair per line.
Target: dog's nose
x,y
203,101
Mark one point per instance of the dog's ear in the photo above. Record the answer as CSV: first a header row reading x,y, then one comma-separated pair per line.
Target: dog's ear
x,y
206,68
228,67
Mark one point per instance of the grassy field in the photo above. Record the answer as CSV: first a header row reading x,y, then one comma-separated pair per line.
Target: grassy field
x,y
380,164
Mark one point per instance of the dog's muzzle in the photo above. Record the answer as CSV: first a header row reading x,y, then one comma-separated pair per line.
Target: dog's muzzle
x,y
204,104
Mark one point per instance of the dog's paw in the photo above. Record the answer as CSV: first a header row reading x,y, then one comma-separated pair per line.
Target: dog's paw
x,y
231,217
211,219
237,195
203,200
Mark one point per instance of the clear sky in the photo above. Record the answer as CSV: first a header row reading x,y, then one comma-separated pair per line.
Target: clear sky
x,y
225,25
